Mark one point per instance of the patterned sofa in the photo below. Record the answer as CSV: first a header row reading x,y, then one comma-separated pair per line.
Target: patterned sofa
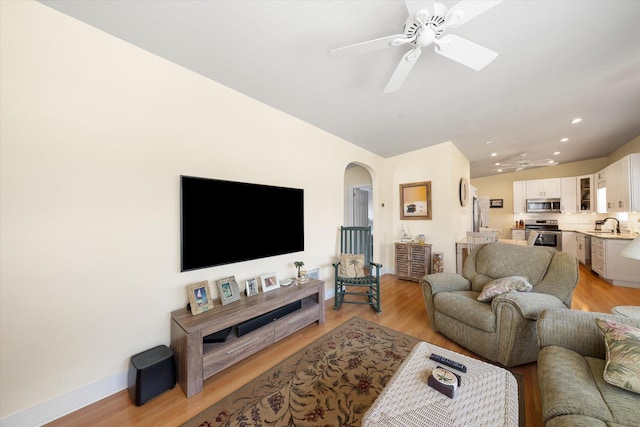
x,y
571,367
503,330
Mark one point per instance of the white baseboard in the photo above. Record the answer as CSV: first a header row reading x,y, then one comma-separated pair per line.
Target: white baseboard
x,y
329,293
78,399
67,403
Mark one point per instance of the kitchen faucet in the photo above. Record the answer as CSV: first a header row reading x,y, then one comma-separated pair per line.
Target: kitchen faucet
x,y
617,223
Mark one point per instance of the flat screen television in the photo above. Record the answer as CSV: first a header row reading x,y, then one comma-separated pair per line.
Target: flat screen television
x,y
223,222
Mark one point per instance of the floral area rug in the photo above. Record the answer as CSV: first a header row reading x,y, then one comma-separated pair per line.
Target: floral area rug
x,y
331,382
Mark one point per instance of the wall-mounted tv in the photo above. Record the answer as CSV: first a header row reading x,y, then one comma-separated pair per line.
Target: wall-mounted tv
x,y
223,222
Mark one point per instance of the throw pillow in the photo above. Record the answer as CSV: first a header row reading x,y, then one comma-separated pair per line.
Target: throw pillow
x,y
351,265
502,286
623,354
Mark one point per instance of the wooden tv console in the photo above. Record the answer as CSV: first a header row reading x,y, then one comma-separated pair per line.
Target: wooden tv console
x,y
197,361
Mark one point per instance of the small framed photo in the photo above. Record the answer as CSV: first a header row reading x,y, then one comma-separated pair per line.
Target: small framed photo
x,y
251,287
314,274
269,282
495,203
229,291
200,297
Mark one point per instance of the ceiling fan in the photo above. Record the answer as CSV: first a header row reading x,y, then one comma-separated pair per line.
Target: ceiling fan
x,y
522,163
425,25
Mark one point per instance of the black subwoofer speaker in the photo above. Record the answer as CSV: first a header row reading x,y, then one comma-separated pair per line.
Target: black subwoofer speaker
x,y
151,373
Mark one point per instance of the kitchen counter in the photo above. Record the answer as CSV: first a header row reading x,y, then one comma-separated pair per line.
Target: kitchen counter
x,y
463,242
607,235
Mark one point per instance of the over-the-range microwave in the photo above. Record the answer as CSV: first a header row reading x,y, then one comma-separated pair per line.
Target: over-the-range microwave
x,y
543,205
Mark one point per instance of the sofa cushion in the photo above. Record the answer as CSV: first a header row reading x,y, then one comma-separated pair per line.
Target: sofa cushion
x,y
502,286
623,354
499,259
623,405
574,392
465,307
568,385
577,421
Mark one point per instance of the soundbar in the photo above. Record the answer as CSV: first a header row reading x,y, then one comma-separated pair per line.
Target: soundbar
x,y
264,319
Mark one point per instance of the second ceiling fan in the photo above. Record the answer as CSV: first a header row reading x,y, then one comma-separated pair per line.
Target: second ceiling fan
x,y
425,25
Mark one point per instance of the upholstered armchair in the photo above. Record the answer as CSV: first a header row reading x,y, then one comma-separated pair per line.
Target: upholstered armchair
x,y
502,330
577,385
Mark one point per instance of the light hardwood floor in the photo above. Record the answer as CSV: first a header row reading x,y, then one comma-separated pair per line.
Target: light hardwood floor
x,y
403,310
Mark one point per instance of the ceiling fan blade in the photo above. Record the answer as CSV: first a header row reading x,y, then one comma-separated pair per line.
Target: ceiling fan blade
x,y
465,52
470,9
413,6
402,70
366,47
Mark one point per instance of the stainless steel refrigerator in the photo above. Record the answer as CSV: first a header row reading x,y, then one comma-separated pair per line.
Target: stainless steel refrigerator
x,y
480,212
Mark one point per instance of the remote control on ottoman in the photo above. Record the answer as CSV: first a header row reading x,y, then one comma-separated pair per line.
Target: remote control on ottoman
x,y
450,363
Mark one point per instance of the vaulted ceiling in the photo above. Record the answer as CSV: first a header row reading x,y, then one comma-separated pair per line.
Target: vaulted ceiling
x,y
557,60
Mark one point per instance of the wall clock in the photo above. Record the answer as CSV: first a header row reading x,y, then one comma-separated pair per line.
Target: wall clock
x,y
464,192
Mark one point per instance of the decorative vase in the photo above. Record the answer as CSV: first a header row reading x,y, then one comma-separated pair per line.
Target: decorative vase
x,y
438,262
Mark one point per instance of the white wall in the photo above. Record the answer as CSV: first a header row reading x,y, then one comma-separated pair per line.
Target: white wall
x,y
443,165
94,135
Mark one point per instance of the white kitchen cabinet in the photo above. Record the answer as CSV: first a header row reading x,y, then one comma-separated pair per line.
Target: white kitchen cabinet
x,y
586,195
601,191
623,184
569,199
544,188
613,267
519,197
621,270
517,234
569,243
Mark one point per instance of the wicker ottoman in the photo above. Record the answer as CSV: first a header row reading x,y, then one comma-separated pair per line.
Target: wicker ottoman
x,y
488,395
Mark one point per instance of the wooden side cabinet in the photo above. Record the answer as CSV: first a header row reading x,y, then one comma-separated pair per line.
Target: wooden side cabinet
x,y
197,361
413,261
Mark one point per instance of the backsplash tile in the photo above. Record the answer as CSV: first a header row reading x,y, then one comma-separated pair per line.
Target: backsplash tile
x,y
586,222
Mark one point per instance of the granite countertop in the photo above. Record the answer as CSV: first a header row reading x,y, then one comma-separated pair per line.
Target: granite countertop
x,y
607,234
513,242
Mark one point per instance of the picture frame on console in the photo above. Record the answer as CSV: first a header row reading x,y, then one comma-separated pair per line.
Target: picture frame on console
x,y
251,287
269,282
228,289
314,274
200,298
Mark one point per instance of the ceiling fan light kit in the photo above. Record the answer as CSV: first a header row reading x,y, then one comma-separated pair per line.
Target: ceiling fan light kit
x,y
423,29
522,163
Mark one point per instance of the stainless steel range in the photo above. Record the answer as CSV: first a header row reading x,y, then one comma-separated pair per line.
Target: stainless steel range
x,y
548,232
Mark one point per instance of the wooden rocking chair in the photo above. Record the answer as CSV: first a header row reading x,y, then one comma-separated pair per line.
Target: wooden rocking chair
x,y
356,273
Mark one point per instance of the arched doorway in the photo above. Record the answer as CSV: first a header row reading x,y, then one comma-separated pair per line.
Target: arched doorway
x,y
358,194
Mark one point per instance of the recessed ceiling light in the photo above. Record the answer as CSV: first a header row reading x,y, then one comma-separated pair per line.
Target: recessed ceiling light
x,y
497,163
550,161
576,120
499,170
556,153
488,142
564,139
494,154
